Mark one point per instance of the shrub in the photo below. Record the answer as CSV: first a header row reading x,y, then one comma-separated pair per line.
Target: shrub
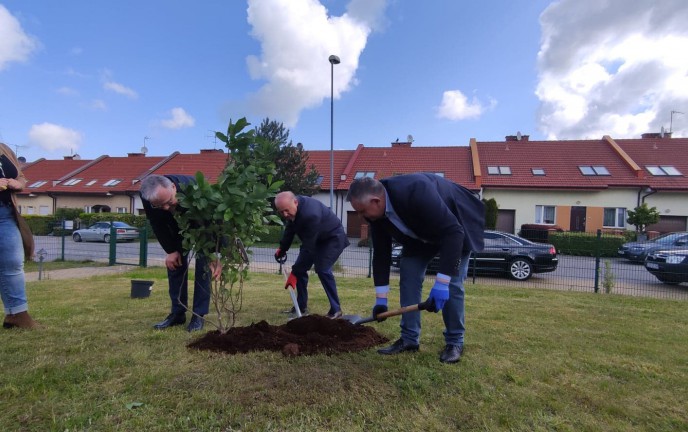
x,y
538,232
586,244
40,225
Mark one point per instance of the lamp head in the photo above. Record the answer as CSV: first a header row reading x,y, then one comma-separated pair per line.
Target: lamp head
x,y
334,59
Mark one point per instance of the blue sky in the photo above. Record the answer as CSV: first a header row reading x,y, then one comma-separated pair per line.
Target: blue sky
x,y
94,77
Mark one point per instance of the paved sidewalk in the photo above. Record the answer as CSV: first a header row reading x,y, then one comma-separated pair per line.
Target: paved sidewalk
x,y
77,273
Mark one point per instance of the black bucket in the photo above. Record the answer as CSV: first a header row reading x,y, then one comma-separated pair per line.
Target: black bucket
x,y
141,288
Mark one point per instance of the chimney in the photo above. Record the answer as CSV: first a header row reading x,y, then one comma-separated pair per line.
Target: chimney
x,y
517,137
212,151
136,155
401,144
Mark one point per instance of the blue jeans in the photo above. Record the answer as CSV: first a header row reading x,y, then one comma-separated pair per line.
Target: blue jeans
x,y
179,287
12,283
412,274
323,258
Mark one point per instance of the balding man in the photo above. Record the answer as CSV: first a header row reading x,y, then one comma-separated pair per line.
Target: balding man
x,y
322,241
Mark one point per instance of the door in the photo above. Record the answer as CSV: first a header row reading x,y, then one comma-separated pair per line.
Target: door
x,y
506,221
577,219
353,224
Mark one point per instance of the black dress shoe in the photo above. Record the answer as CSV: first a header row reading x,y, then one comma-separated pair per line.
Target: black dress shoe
x,y
195,324
171,320
397,347
451,354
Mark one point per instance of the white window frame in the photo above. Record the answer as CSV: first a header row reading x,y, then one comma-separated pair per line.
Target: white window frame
x,y
121,210
361,174
540,213
619,217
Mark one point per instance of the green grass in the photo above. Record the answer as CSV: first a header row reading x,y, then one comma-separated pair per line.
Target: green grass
x,y
535,361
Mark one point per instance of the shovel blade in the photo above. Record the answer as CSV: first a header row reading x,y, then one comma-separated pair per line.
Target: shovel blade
x,y
353,319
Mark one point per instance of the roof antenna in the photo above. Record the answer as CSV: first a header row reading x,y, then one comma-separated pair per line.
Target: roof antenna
x,y
671,123
144,149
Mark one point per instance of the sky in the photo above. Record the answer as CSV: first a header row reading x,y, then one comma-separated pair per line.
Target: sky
x,y
94,78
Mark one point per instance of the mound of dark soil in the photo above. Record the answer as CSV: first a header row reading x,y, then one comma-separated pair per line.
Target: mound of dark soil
x,y
313,334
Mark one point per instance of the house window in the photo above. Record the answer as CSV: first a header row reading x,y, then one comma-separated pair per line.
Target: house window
x,y
72,182
112,182
593,170
361,174
544,214
91,183
538,171
614,217
88,209
43,210
499,170
30,210
38,184
663,170
121,209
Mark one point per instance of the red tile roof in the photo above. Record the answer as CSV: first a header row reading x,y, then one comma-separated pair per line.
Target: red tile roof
x,y
658,152
48,171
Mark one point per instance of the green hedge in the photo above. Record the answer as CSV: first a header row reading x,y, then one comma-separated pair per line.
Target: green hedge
x,y
40,225
587,244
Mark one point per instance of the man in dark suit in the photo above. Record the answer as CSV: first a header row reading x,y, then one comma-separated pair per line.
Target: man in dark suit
x,y
426,214
322,241
159,197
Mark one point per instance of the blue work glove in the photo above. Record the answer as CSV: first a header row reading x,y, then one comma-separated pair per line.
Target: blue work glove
x,y
380,302
439,294
380,307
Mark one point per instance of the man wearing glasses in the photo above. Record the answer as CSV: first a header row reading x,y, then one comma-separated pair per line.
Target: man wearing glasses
x,y
159,197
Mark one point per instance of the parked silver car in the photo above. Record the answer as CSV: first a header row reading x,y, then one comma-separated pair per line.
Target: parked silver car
x,y
100,231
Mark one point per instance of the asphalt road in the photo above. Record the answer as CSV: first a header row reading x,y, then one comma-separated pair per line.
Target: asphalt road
x,y
573,273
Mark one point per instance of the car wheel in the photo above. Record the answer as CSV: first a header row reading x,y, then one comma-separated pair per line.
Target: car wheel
x,y
76,237
106,238
520,269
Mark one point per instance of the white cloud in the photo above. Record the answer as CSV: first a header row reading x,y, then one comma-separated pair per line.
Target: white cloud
x,y
15,44
179,119
120,89
51,137
614,67
297,37
67,91
456,106
98,105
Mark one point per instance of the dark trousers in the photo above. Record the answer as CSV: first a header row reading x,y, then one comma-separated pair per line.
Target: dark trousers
x,y
179,287
323,258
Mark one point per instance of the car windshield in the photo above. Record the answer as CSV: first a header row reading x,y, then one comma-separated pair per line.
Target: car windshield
x,y
668,238
121,225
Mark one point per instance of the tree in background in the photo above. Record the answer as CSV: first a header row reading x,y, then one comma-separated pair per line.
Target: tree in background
x,y
491,211
642,216
291,162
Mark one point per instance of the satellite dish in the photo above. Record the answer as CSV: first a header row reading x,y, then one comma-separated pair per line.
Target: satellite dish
x,y
409,138
144,149
518,136
76,156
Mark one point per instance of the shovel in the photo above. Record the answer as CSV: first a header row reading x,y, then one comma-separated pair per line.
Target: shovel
x,y
357,319
292,291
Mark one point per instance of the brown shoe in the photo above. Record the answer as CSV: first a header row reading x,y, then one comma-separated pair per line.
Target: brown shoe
x,y
20,320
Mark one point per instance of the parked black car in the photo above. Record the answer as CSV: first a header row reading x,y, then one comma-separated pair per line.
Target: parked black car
x,y
637,251
504,253
669,266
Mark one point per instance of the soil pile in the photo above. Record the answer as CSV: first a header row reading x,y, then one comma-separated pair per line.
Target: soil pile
x,y
313,334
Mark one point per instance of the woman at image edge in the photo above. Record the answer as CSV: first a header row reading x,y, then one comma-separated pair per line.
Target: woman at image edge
x,y
16,243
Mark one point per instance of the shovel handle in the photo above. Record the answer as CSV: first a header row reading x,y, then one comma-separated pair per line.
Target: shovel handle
x,y
384,315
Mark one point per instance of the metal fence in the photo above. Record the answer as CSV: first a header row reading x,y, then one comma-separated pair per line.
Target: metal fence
x,y
604,275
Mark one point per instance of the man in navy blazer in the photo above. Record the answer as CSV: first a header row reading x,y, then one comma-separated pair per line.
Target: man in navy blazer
x,y
322,241
159,198
427,215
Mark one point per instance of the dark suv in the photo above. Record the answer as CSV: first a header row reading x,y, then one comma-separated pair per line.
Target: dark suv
x,y
637,251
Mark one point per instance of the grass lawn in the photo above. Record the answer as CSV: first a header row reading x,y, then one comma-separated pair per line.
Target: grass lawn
x,y
534,361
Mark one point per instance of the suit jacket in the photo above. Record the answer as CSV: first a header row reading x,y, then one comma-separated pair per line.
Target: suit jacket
x,y
314,223
447,217
162,221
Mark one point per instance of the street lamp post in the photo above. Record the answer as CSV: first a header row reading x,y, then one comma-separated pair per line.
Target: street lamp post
x,y
333,61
